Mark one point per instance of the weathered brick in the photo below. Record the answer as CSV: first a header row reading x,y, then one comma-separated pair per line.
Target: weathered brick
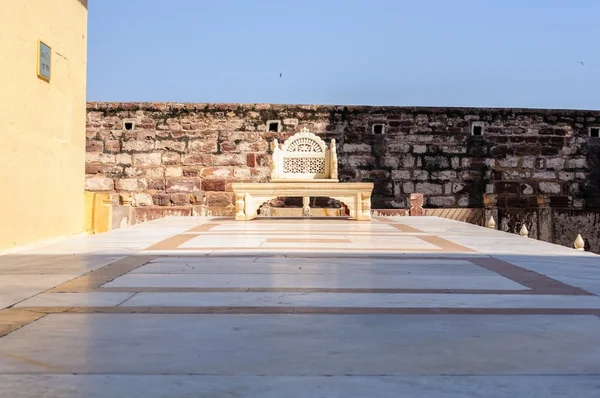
x,y
171,158
180,199
174,185
577,163
229,159
154,172
555,163
138,146
436,161
203,145
441,201
455,162
507,187
361,161
113,146
509,161
263,160
156,184
419,148
173,171
408,187
216,172
144,135
147,159
528,162
201,159
106,169
544,175
242,173
390,161
408,161
427,188
219,199
124,158
566,176
422,175
550,187
94,146
517,174
228,147
464,201
356,148
161,199
396,147
213,185
95,157
142,199
134,171
400,174
261,174
458,187
99,184
443,175
174,146
253,146
251,160
132,184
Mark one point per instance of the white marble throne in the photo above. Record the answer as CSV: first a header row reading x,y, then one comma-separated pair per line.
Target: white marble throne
x,y
303,166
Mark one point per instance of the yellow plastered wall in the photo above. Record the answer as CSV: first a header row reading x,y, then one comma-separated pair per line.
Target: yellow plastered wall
x,y
42,124
97,212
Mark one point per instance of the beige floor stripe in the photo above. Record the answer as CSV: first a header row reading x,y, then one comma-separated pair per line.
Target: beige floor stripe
x,y
12,319
97,278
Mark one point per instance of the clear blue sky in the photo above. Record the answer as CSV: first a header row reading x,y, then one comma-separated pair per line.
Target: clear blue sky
x,y
506,53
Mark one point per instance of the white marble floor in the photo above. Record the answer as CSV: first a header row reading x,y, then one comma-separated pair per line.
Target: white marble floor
x,y
396,307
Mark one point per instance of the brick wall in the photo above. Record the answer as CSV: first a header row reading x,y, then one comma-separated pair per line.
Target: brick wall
x,y
159,154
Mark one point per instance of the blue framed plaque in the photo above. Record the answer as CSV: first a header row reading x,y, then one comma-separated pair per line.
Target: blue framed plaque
x,y
44,65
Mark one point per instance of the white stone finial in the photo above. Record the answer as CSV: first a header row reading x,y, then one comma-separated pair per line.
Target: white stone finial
x,y
579,243
304,130
491,223
524,232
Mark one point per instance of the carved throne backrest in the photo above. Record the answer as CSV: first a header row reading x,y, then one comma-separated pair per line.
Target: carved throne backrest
x,y
304,156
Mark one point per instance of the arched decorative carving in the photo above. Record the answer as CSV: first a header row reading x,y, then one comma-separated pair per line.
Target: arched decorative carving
x,y
304,144
303,156
304,141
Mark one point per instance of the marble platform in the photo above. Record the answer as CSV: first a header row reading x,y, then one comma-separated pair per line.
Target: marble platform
x,y
207,306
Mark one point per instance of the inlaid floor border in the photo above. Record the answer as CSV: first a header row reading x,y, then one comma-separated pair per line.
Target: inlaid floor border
x,y
174,242
237,310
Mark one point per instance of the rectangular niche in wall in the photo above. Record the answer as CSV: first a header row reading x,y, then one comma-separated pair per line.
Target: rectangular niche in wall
x,y
477,128
128,125
274,126
379,128
594,132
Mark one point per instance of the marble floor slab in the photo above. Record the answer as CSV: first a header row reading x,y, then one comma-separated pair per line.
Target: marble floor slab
x,y
318,280
193,386
304,345
15,288
365,267
362,300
